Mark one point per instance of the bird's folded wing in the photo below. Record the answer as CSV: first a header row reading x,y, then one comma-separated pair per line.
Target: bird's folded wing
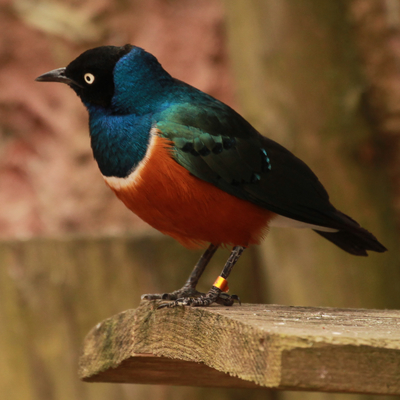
x,y
227,152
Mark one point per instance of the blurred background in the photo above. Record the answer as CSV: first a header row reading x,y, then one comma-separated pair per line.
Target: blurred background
x,y
321,77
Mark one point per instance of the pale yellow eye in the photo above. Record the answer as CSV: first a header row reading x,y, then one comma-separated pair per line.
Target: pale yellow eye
x,y
89,78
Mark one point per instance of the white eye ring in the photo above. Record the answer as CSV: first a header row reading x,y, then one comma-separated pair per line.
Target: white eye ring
x,y
89,78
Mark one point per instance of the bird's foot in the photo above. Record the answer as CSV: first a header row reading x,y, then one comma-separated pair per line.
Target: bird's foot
x,y
214,295
175,295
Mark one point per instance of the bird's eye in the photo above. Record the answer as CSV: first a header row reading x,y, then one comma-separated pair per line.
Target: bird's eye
x,y
89,78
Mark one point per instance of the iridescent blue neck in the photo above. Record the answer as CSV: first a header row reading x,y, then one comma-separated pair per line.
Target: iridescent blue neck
x,y
140,83
119,142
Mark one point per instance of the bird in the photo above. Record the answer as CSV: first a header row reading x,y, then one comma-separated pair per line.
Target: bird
x,y
193,168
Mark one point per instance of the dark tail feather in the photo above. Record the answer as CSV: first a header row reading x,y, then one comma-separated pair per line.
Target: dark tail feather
x,y
355,241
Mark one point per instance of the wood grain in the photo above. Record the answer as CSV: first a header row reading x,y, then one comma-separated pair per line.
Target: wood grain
x,y
280,347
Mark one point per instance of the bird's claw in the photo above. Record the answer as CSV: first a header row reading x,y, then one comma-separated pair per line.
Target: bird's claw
x,y
228,299
184,292
205,300
159,296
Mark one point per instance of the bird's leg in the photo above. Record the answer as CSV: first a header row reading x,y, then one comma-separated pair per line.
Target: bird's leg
x,y
217,292
189,288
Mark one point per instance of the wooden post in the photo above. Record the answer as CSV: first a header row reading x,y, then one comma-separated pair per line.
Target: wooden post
x,y
270,346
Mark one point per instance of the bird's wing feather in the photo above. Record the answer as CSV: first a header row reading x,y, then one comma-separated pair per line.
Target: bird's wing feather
x,y
217,145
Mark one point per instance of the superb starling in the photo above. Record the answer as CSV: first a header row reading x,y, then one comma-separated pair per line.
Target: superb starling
x,y
193,168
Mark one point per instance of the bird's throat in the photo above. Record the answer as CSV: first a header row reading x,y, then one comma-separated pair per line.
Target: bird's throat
x,y
119,142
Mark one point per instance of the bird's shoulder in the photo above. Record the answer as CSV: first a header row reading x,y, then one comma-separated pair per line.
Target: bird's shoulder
x,y
188,106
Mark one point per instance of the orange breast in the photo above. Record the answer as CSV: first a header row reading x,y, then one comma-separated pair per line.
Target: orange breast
x,y
169,198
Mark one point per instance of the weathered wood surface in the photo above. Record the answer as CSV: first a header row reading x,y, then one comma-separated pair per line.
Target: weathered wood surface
x,y
280,347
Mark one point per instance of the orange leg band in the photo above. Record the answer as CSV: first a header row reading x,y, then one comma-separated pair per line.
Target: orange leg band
x,y
222,284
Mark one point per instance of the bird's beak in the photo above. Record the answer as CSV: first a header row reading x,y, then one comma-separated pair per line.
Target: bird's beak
x,y
57,75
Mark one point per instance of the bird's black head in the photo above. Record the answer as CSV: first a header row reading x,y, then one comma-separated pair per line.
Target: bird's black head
x,y
91,74
123,80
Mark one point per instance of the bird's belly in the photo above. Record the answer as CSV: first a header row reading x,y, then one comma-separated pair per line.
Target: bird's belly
x,y
169,198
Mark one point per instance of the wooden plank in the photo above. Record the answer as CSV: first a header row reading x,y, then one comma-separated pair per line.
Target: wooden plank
x,y
280,347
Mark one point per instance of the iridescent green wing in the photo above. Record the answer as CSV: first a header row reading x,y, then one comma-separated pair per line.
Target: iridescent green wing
x,y
217,145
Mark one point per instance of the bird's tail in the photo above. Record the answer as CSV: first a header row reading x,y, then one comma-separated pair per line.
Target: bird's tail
x,y
353,238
